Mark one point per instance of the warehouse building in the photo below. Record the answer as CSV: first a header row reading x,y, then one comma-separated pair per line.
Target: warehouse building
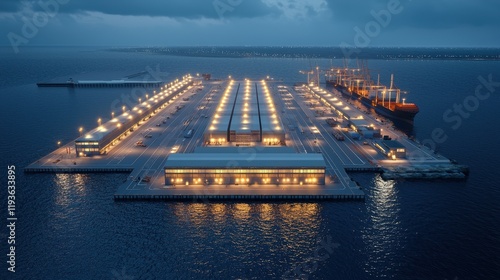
x,y
100,140
234,168
245,115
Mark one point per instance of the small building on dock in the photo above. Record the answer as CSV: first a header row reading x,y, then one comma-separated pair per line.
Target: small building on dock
x,y
391,148
364,128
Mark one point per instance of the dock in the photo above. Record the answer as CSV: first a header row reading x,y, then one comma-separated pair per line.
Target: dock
x,y
304,117
418,163
189,196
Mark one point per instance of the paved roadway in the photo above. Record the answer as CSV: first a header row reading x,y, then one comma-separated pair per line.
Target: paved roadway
x,y
306,132
163,137
416,153
169,138
310,134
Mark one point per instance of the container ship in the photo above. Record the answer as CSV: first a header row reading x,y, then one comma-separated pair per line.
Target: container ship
x,y
356,84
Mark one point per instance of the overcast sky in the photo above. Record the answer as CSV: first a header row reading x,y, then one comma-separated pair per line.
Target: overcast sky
x,y
251,22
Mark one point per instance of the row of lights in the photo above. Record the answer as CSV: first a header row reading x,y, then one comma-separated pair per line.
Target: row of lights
x,y
222,105
172,86
339,103
198,181
270,104
217,140
311,180
272,140
336,101
242,180
246,108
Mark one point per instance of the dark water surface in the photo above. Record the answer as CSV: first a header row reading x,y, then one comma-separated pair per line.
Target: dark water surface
x,y
69,227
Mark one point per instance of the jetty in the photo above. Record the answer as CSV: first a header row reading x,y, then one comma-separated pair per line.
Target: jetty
x,y
327,136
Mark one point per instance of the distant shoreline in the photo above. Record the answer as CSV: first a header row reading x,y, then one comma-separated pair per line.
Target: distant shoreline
x,y
472,54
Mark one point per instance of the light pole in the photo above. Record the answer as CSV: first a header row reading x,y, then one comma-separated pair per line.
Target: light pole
x,y
140,100
80,130
317,73
112,115
99,121
147,96
123,108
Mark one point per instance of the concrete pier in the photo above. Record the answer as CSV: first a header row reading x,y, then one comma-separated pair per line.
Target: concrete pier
x,y
232,192
419,161
304,118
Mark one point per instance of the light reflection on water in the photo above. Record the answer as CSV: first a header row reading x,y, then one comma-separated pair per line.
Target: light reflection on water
x,y
241,212
69,187
69,193
199,213
382,234
296,223
219,212
266,212
265,232
76,213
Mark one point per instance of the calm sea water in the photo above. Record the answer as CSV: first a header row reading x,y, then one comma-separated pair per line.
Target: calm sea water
x,y
69,227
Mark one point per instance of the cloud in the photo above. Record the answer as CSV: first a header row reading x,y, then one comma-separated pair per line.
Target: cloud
x,y
427,14
298,9
171,8
452,14
10,6
253,22
417,14
100,19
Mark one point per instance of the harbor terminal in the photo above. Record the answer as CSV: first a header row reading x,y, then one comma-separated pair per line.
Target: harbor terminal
x,y
196,138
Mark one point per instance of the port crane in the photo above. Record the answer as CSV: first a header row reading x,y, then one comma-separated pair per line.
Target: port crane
x,y
315,79
308,73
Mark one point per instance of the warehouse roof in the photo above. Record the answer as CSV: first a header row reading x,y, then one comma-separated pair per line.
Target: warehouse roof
x,y
244,150
239,160
127,118
392,144
239,104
